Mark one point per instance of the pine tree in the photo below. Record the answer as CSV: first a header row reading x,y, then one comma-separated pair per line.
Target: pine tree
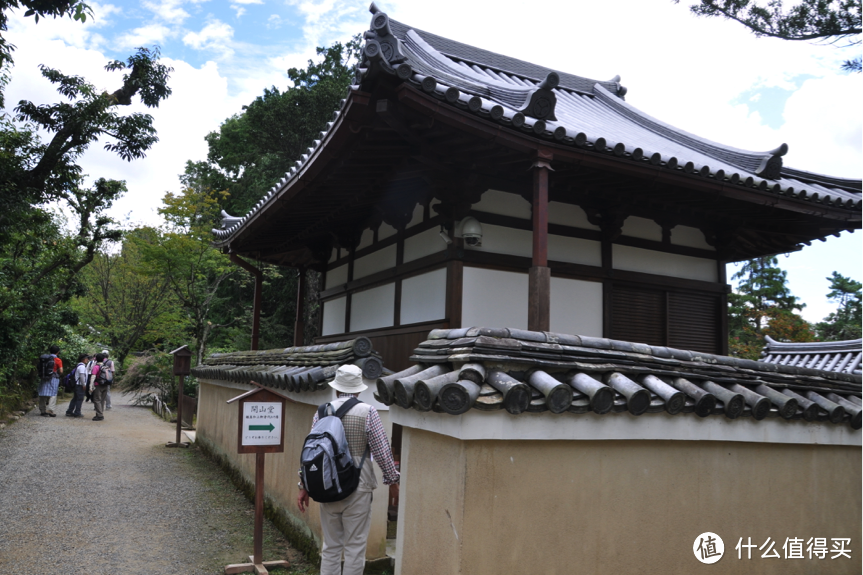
x,y
763,305
844,323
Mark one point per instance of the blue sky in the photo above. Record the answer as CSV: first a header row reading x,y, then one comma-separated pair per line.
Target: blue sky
x,y
707,76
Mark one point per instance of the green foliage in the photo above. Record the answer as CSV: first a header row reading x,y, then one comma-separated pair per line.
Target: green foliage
x,y
125,306
181,254
763,305
845,322
811,20
253,150
75,9
150,375
45,249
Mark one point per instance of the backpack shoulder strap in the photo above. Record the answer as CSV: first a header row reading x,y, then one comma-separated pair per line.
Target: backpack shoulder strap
x,y
347,406
322,410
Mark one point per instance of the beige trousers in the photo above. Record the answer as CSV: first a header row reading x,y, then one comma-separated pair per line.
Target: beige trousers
x,y
345,525
99,393
47,404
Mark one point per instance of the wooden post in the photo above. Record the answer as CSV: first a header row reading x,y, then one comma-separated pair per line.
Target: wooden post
x,y
180,410
259,508
182,368
299,323
539,277
256,302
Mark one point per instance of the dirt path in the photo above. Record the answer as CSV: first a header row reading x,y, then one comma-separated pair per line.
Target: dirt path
x,y
84,497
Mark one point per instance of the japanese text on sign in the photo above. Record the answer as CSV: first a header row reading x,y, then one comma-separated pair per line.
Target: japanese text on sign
x,y
262,423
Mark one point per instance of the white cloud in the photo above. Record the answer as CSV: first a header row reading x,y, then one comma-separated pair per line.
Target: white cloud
x,y
144,36
239,11
214,36
248,1
169,11
274,22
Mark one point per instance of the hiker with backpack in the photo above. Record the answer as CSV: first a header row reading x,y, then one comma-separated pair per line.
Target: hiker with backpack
x,y
110,371
99,386
80,384
335,472
49,368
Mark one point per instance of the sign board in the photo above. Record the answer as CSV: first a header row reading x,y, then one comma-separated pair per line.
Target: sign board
x,y
261,426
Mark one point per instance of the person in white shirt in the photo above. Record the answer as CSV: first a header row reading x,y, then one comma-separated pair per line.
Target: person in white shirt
x,y
108,366
81,377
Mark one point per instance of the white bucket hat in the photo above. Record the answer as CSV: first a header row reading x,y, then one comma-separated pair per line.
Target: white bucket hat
x,y
349,379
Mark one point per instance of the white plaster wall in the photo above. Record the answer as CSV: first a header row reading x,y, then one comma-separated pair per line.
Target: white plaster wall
x,y
568,215
574,250
417,217
504,204
386,231
492,298
690,237
424,297
423,244
576,307
337,276
366,239
375,262
373,308
665,264
334,316
501,240
642,228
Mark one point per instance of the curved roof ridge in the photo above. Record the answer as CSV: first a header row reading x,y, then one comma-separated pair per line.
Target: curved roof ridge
x,y
774,346
824,180
744,159
498,62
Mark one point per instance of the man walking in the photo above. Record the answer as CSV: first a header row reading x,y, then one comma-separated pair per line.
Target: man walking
x,y
50,370
81,377
108,366
345,524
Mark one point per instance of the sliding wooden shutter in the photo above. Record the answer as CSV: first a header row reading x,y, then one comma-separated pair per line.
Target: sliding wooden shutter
x,y
638,315
683,320
693,321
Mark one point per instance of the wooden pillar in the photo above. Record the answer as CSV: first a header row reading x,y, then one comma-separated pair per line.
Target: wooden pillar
x,y
256,303
454,292
539,277
300,323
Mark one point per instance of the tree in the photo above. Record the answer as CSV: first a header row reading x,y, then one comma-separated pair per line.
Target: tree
x,y
76,9
182,254
51,223
829,20
763,305
125,307
845,322
253,150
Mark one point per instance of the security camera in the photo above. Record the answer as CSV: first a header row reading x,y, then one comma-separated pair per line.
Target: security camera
x,y
445,236
471,231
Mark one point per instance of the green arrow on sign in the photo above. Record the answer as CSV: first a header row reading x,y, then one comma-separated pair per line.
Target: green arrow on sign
x,y
268,427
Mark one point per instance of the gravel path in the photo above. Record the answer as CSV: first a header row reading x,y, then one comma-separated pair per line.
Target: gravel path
x,y
84,497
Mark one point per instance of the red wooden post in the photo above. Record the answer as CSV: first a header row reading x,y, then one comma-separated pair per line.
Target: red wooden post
x,y
539,278
299,323
256,303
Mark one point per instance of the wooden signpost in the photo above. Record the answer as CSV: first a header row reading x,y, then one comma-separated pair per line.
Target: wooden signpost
x,y
182,368
261,430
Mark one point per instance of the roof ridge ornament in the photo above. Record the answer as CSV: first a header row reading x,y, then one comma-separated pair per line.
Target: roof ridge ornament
x,y
540,102
771,165
228,220
382,49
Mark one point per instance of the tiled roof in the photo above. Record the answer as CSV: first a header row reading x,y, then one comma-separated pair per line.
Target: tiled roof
x,y
516,370
588,114
838,356
296,369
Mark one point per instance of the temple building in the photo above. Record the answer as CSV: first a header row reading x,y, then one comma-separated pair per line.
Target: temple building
x,y
531,272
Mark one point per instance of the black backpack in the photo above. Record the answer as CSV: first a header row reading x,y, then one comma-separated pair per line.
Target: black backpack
x,y
314,458
45,366
69,381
